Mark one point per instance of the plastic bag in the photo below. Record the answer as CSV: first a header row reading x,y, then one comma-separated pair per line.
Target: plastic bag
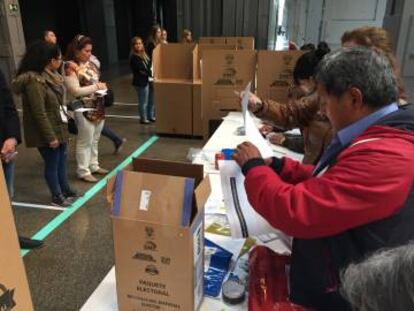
x,y
268,281
216,265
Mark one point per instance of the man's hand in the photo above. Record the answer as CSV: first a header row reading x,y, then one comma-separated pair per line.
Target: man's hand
x,y
9,146
245,152
255,103
54,144
8,149
266,129
276,138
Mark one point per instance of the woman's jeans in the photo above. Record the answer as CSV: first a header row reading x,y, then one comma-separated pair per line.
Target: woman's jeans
x,y
146,102
109,133
8,169
55,168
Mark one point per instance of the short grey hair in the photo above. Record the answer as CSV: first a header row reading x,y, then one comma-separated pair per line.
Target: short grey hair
x,y
382,282
366,69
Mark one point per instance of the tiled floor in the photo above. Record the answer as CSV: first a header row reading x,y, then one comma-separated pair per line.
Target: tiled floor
x,y
79,253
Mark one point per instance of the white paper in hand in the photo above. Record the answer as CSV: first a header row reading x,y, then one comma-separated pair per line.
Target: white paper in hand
x,y
245,102
253,135
244,220
102,92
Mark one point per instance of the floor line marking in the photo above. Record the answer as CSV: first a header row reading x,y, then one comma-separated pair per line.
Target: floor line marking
x,y
38,206
59,219
125,104
121,116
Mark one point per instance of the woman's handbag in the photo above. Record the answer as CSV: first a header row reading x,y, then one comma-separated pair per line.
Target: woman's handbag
x,y
109,98
72,127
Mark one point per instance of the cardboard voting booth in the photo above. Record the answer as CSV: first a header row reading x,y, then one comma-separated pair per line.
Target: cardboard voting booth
x,y
158,229
212,40
198,52
275,73
241,43
14,288
224,72
173,83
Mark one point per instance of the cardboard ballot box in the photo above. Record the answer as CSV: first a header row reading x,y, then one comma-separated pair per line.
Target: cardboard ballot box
x,y
173,78
14,289
158,229
275,73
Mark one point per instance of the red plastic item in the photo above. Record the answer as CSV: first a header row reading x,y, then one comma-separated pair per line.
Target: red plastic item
x,y
268,281
218,156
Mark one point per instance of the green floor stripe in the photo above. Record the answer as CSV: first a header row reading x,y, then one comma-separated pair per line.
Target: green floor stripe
x,y
58,220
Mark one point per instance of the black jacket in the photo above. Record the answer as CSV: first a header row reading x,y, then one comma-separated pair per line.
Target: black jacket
x,y
141,70
9,119
317,263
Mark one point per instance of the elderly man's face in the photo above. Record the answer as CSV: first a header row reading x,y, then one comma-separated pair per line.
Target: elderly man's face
x,y
337,109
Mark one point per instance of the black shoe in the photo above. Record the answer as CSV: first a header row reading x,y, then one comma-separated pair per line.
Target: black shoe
x,y
152,120
119,146
71,196
61,201
27,243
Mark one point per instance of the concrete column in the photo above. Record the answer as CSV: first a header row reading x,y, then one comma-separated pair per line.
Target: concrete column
x,y
12,44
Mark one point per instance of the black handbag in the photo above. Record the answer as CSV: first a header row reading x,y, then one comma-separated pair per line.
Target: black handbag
x,y
109,98
72,127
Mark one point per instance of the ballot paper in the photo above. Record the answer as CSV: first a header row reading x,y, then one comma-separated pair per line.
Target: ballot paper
x,y
245,102
244,220
84,109
253,135
102,92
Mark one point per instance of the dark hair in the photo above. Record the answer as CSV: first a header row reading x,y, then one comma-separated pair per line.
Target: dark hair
x,y
368,70
152,37
308,47
306,65
323,46
78,43
37,56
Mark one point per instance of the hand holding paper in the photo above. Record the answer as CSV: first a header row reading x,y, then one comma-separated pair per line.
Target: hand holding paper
x,y
245,152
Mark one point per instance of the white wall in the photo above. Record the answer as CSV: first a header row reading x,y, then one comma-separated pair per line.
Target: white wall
x,y
312,21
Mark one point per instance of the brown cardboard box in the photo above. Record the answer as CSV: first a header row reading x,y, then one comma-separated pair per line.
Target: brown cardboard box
x,y
173,78
14,289
212,40
197,102
241,43
275,73
173,61
198,52
174,108
158,223
224,72
197,110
